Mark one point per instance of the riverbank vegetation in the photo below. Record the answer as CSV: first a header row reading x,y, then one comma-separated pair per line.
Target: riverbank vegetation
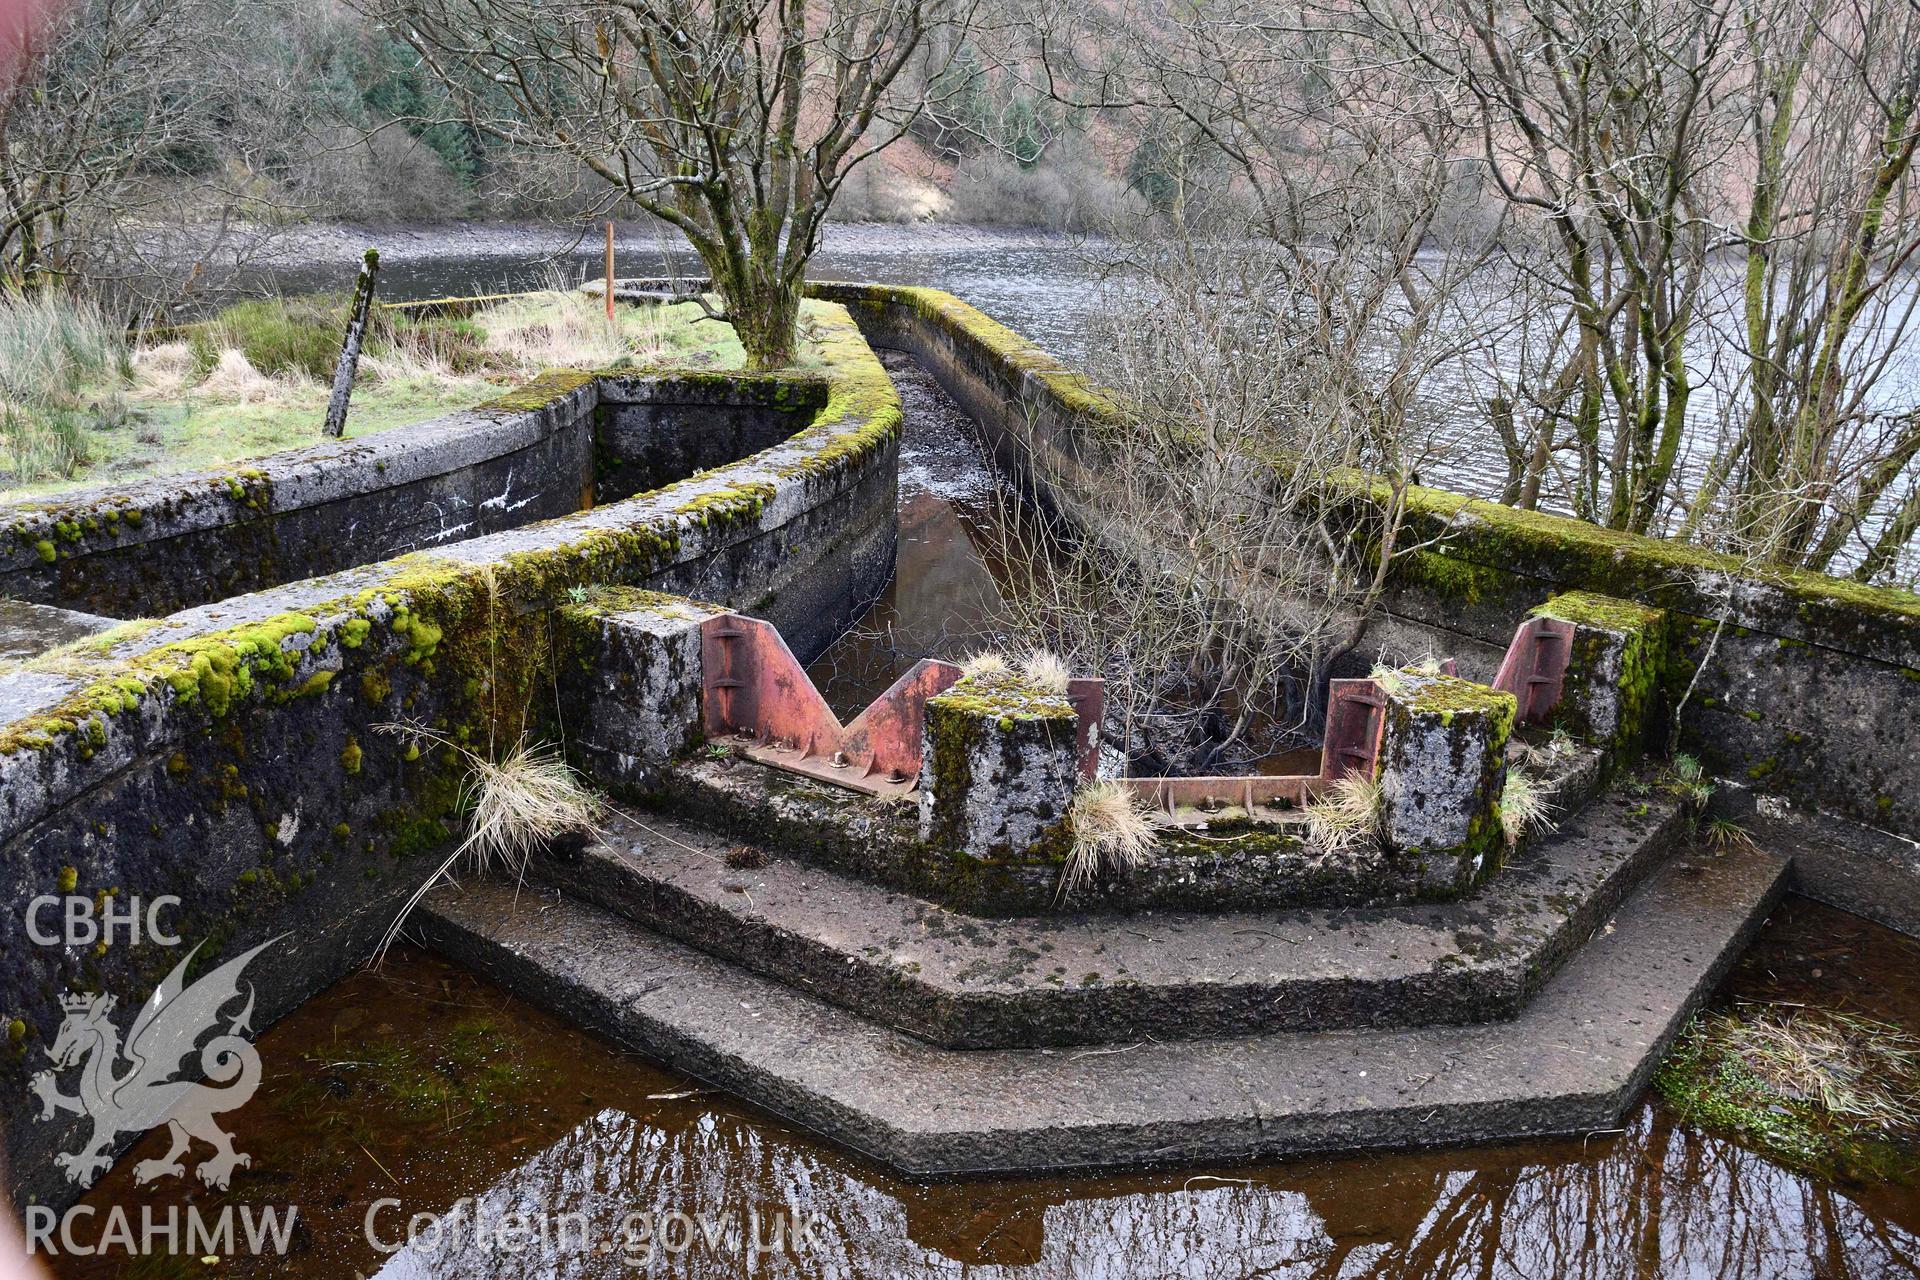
x,y
85,402
1829,1092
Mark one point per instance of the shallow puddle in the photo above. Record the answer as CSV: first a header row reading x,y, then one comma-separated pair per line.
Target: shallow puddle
x,y
422,1090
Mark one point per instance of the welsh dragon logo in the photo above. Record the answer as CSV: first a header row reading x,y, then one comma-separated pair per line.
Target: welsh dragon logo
x,y
145,1094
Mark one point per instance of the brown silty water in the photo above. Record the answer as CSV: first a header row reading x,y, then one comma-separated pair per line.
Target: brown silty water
x,y
421,1089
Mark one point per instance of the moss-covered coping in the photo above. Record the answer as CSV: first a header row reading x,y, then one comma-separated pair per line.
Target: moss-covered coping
x,y
1426,693
1881,623
85,711
1003,697
1602,613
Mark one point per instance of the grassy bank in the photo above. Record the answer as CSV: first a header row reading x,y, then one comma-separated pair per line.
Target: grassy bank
x,y
82,404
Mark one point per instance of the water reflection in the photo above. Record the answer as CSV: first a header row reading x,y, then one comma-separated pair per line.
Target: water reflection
x,y
571,1127
1655,1201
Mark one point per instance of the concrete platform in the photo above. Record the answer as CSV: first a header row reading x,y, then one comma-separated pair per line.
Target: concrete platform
x,y
1572,1061
972,982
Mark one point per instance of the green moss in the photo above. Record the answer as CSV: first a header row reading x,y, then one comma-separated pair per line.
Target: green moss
x,y
1005,698
351,756
1709,1084
1448,694
69,879
316,683
547,389
1603,613
375,686
354,633
1453,577
48,552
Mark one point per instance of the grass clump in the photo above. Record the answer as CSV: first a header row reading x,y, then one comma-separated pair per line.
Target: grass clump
x,y
1045,671
1346,816
1825,1091
61,360
297,336
1525,807
1687,779
514,806
985,665
1112,831
1727,835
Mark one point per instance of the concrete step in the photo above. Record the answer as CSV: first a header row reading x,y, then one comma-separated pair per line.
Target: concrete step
x,y
1572,1061
974,982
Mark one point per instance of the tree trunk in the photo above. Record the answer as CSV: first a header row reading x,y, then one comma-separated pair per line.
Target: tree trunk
x,y
764,314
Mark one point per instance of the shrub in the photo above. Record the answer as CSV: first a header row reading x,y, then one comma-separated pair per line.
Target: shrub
x,y
297,336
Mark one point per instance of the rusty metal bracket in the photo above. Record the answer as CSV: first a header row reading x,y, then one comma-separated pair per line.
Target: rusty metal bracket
x,y
1356,720
755,692
1535,668
1088,697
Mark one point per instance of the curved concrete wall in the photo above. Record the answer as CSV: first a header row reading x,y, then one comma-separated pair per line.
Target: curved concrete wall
x,y
1815,691
234,754
565,441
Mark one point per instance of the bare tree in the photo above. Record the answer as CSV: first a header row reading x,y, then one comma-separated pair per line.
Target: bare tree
x,y
1715,196
1272,341
103,106
735,120
1826,303
1597,118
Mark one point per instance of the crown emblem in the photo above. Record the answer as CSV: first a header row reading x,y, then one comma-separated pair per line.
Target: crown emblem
x,y
83,1002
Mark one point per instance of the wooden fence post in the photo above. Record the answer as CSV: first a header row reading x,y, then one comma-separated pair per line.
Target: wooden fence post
x,y
349,366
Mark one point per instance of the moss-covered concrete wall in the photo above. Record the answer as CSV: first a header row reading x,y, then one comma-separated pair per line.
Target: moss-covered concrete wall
x,y
1815,692
239,755
568,439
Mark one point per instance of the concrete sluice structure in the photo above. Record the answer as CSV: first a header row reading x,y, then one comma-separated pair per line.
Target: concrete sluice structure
x,y
572,561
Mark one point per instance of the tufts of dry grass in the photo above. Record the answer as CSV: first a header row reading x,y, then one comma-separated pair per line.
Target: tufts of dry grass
x,y
164,369
1848,1066
1346,816
1112,831
233,379
984,665
1816,1089
514,805
1046,671
1525,807
562,327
